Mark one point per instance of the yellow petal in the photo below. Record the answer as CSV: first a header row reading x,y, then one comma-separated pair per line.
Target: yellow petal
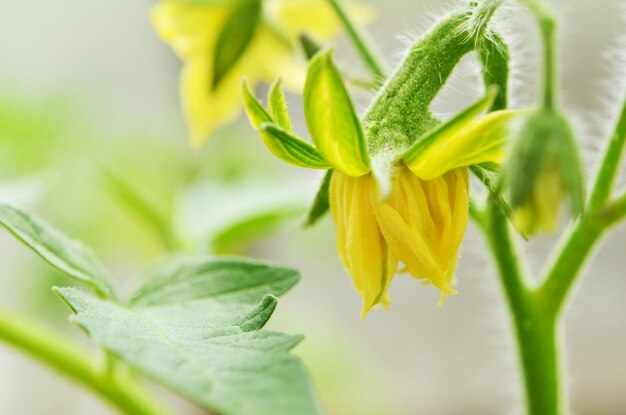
x,y
314,16
207,109
190,29
423,223
359,241
271,56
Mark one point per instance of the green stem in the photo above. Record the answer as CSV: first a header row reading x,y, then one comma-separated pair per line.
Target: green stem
x,y
371,59
58,353
534,328
570,258
547,27
609,166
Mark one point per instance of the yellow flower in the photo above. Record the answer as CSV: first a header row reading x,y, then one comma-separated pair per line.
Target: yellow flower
x,y
408,206
421,224
221,42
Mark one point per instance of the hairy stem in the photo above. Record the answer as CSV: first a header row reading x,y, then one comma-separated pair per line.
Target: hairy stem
x,y
361,43
535,330
609,165
547,27
58,353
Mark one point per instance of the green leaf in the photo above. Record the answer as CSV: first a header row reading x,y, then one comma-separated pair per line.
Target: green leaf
x,y
321,203
146,209
68,256
234,38
309,45
281,143
237,235
332,121
224,279
277,106
205,341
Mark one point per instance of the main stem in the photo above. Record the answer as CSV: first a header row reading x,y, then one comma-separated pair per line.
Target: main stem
x,y
535,329
47,346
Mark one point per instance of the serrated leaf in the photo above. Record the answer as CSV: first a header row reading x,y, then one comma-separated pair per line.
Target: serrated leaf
x,y
321,203
68,256
277,106
281,143
332,121
234,38
223,279
206,346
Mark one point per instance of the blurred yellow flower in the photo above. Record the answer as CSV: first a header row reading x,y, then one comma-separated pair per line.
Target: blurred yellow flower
x,y
221,42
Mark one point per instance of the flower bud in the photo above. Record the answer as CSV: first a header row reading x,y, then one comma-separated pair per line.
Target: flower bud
x,y
542,170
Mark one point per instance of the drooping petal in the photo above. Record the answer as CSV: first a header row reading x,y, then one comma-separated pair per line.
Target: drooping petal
x,y
360,244
332,121
423,223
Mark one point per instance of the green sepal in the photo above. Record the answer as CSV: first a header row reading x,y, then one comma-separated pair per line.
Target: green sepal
x,y
492,181
321,203
332,121
493,55
382,169
235,37
280,142
294,150
309,45
277,106
455,144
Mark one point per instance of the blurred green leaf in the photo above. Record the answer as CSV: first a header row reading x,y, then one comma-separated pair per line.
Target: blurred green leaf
x,y
147,210
247,210
234,38
70,257
206,344
230,279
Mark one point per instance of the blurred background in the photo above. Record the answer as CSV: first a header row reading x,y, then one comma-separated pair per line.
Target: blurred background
x,y
90,114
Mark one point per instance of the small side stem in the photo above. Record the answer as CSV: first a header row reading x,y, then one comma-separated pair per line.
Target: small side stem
x,y
535,330
609,166
547,27
58,353
371,59
569,260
